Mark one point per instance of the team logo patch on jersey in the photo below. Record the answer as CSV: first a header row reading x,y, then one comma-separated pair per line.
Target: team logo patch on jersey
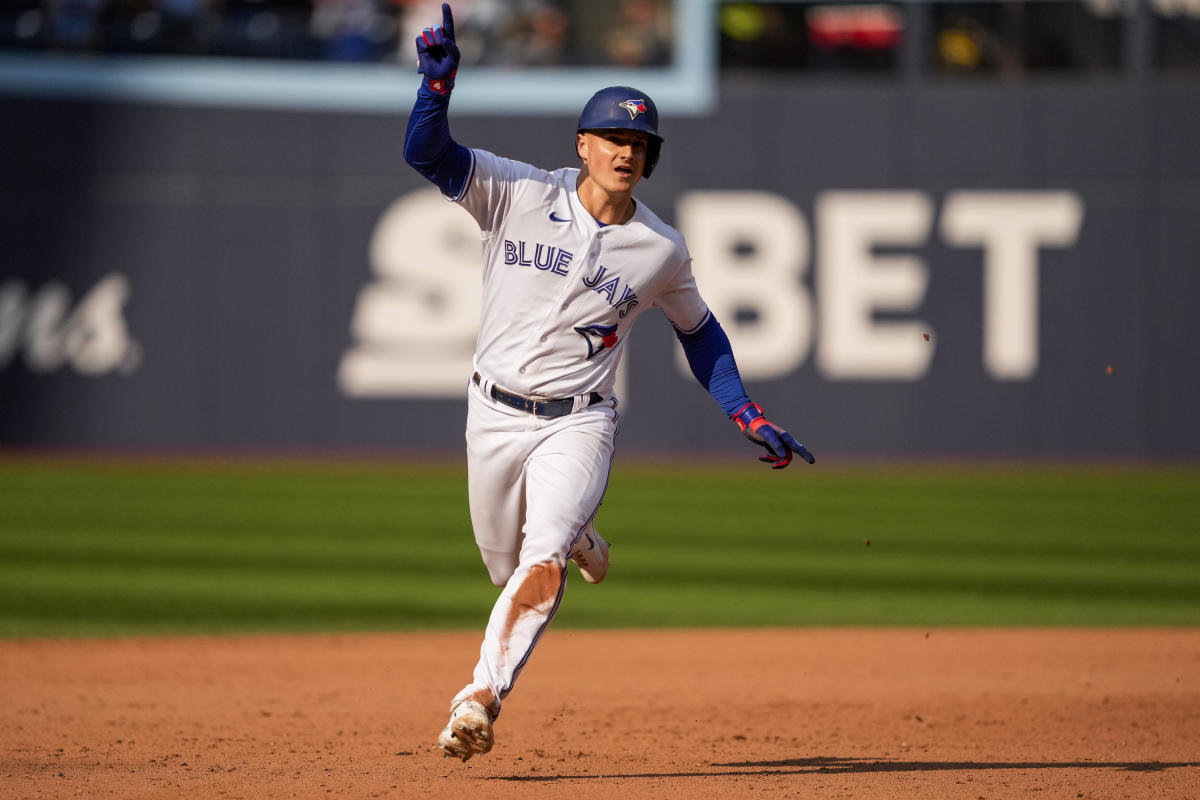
x,y
598,337
634,107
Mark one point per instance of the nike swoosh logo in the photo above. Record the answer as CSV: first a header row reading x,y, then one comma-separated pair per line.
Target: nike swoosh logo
x,y
555,218
591,544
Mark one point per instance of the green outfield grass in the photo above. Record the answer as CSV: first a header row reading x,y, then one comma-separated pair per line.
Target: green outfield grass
x,y
135,547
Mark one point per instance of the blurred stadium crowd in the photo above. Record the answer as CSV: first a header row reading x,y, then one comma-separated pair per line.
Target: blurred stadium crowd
x,y
999,37
492,32
975,37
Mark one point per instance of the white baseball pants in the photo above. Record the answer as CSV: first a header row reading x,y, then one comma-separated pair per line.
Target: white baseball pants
x,y
535,484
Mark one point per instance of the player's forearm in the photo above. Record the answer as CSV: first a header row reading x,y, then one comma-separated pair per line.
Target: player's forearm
x,y
429,148
710,356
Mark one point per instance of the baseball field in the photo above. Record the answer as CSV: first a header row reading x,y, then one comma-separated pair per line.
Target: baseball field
x,y
257,628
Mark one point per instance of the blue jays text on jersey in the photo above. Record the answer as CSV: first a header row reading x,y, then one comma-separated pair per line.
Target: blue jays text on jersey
x,y
541,256
608,290
548,258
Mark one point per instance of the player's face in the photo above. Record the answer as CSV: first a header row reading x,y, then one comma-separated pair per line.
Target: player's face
x,y
615,159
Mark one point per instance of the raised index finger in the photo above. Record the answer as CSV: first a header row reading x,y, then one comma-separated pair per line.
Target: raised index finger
x,y
447,22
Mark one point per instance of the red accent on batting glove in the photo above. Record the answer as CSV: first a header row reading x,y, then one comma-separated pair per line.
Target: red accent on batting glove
x,y
749,415
441,85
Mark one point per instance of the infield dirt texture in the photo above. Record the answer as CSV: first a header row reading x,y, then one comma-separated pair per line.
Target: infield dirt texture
x,y
714,714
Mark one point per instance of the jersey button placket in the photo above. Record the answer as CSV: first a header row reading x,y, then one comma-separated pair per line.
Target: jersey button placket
x,y
549,324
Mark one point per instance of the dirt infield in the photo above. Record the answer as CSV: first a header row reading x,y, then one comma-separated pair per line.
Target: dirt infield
x,y
716,714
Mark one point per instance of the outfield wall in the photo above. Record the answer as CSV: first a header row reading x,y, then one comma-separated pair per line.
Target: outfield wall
x,y
194,277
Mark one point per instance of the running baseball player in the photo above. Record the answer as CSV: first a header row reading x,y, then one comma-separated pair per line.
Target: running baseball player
x,y
571,260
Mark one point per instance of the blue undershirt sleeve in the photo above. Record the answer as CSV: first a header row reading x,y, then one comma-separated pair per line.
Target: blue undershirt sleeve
x,y
710,356
428,147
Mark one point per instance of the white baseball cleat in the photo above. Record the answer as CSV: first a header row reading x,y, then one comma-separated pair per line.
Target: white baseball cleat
x,y
468,733
591,554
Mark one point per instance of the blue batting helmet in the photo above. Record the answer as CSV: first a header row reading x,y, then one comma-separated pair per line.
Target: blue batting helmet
x,y
625,108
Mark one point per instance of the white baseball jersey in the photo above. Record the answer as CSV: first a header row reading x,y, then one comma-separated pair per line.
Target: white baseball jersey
x,y
561,291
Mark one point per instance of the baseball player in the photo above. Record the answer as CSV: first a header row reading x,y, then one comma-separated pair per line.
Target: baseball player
x,y
571,260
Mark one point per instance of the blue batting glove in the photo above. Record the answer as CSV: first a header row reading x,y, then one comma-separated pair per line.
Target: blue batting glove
x,y
779,444
437,54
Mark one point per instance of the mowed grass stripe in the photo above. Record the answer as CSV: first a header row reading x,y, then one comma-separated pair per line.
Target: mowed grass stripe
x,y
670,606
270,551
85,600
129,547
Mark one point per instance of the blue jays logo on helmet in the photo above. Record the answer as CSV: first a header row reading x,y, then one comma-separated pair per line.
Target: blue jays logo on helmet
x,y
634,107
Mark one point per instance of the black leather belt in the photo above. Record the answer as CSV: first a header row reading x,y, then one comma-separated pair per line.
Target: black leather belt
x,y
540,408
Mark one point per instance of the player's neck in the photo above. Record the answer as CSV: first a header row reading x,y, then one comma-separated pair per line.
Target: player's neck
x,y
607,208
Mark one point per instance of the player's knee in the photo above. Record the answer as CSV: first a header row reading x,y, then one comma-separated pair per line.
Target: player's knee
x,y
500,566
535,588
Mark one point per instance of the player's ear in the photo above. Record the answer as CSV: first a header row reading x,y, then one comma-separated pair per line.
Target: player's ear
x,y
581,145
